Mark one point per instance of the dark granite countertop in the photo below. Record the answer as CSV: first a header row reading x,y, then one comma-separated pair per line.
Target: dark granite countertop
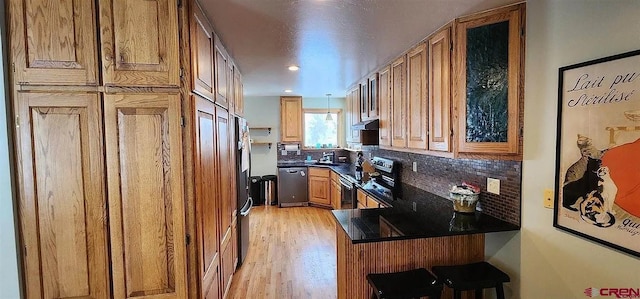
x,y
433,216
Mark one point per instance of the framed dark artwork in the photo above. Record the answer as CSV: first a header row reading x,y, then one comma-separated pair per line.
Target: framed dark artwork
x,y
598,151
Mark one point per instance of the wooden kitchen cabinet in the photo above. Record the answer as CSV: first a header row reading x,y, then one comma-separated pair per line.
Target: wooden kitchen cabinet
x,y
489,126
139,41
145,197
225,197
53,48
336,191
384,106
221,72
361,198
62,198
373,96
364,100
354,102
439,67
398,103
239,92
201,53
319,186
207,201
231,86
417,97
227,263
100,165
291,119
372,203
224,168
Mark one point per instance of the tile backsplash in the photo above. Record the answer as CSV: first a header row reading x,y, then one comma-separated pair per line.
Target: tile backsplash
x,y
315,154
437,174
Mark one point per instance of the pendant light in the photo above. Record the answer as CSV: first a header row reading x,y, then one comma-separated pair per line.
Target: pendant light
x,y
329,117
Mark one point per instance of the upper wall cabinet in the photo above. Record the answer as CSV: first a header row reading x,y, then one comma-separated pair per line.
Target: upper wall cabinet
x,y
398,103
373,96
201,53
488,63
384,106
53,48
355,114
139,42
439,72
364,100
231,85
417,97
291,119
238,88
221,72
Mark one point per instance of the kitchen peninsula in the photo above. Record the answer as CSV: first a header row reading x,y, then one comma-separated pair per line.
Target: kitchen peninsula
x,y
416,229
420,230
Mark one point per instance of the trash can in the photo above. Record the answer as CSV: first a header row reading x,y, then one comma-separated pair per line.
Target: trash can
x,y
270,189
256,191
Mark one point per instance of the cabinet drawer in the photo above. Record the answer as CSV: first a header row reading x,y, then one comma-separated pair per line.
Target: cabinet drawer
x,y
321,172
372,203
335,176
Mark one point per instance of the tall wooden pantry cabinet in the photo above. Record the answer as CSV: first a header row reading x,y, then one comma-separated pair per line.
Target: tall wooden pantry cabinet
x,y
108,130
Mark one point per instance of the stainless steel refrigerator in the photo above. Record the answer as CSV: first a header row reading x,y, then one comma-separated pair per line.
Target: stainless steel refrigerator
x,y
245,202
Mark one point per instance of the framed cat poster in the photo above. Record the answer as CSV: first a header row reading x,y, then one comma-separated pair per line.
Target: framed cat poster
x,y
598,151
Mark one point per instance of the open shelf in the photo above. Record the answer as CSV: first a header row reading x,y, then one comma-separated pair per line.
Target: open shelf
x,y
262,143
262,128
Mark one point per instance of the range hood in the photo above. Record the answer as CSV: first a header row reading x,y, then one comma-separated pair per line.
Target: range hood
x,y
373,124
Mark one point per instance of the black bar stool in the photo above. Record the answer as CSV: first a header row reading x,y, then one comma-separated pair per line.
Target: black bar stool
x,y
475,276
404,285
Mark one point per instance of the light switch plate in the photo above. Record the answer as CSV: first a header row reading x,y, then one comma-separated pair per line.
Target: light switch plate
x,y
493,186
415,166
548,199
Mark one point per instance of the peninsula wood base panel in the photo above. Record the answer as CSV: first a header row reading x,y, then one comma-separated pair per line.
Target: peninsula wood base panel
x,y
355,261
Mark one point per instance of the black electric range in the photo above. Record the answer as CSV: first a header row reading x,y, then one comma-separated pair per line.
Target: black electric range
x,y
386,185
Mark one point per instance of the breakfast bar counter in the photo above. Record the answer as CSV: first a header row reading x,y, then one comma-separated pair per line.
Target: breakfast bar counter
x,y
420,230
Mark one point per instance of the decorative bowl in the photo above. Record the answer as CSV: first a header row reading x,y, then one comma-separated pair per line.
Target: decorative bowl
x,y
464,203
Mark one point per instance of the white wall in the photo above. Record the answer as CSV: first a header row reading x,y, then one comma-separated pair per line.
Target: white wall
x,y
9,283
265,112
553,263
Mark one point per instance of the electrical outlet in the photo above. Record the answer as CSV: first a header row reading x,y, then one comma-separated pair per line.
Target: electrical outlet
x,y
548,199
493,186
415,166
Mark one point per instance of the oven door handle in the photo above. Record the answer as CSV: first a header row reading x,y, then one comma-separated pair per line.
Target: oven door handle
x,y
247,207
346,184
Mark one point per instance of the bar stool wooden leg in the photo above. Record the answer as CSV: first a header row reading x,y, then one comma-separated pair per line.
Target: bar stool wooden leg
x,y
499,291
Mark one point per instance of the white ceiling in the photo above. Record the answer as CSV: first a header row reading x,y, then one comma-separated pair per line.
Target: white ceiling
x,y
335,42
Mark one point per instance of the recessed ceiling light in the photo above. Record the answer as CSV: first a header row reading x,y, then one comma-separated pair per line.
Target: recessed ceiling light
x,y
288,90
294,68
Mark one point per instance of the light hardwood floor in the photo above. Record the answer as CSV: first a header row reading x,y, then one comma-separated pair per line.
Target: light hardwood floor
x,y
292,254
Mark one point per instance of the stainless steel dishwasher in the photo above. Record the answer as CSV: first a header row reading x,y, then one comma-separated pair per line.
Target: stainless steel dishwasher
x,y
292,187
